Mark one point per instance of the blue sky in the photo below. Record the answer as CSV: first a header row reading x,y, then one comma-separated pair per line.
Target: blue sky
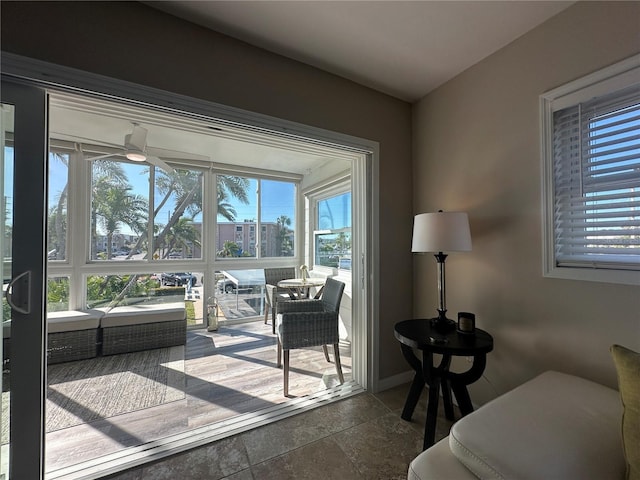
x,y
277,197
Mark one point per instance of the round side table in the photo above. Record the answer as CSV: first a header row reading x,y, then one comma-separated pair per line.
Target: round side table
x,y
419,334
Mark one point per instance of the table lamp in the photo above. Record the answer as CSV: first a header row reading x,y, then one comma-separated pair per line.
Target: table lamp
x,y
437,233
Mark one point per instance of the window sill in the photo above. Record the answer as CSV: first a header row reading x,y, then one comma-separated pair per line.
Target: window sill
x,y
623,277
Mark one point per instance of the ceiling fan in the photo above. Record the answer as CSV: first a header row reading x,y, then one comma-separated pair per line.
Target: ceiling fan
x,y
135,148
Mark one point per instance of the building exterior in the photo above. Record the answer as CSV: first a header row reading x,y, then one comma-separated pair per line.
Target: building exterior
x,y
274,241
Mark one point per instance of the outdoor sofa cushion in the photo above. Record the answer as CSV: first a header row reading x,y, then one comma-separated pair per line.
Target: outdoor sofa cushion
x,y
145,313
69,321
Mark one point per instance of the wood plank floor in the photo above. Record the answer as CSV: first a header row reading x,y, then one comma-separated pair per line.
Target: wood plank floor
x,y
228,372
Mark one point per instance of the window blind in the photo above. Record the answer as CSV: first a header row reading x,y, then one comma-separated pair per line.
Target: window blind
x,y
596,155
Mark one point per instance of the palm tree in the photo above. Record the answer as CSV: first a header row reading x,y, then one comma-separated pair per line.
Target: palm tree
x,y
115,206
182,235
104,168
226,209
229,249
58,215
187,187
232,186
283,245
105,173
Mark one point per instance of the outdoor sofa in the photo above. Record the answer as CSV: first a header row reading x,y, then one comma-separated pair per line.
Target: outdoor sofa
x,y
133,328
78,335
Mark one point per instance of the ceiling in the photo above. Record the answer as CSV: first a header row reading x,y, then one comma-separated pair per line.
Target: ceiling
x,y
98,126
402,48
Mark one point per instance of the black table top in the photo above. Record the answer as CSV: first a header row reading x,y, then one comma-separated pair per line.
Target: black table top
x,y
418,333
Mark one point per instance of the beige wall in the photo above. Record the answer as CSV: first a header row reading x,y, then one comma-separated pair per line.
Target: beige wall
x,y
133,42
477,149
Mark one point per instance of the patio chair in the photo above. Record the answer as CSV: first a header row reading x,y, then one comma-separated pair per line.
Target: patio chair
x,y
273,293
309,323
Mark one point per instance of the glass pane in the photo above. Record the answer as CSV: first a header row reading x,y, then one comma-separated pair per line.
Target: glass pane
x,y
237,215
129,289
240,293
333,249
119,210
332,242
6,193
178,214
57,294
335,212
277,218
57,201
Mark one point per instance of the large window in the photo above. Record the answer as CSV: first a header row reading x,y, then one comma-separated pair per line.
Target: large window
x,y
332,239
593,160
249,205
121,212
119,209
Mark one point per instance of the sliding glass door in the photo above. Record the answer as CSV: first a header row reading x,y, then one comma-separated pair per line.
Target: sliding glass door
x,y
193,223
23,165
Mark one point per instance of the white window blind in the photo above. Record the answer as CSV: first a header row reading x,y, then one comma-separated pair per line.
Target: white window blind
x,y
596,172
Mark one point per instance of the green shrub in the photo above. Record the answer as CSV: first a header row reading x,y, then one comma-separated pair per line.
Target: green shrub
x,y
166,291
191,313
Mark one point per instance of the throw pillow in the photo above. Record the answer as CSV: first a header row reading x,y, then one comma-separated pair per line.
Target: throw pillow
x,y
627,364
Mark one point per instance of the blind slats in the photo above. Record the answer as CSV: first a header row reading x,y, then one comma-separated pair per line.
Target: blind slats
x,y
596,149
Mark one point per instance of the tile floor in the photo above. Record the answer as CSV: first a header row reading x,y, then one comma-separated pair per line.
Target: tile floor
x,y
361,437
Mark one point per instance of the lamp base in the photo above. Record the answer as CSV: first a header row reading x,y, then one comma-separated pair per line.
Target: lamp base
x,y
441,323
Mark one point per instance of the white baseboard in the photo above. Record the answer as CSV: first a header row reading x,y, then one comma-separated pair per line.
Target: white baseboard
x,y
406,377
395,380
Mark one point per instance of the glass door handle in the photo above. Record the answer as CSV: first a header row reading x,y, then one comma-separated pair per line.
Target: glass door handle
x,y
21,301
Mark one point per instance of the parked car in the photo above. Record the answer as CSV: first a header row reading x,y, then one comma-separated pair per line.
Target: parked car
x,y
226,286
178,279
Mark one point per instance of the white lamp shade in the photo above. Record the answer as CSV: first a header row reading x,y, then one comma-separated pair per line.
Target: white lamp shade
x,y
441,232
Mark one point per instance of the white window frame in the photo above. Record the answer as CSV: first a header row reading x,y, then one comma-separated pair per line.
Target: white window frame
x,y
611,79
338,185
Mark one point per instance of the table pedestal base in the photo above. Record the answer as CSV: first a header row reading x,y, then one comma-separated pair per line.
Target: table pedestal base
x,y
439,378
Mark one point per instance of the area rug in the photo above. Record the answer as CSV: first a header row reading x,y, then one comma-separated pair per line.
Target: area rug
x,y
88,390
102,387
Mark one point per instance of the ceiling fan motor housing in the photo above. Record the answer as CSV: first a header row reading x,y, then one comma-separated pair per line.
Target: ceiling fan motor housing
x,y
135,143
137,138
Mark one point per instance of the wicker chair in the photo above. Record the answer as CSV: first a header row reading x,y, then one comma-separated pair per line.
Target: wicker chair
x,y
308,323
272,293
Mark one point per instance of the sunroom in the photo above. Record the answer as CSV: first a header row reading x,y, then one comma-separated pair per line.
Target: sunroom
x,y
157,214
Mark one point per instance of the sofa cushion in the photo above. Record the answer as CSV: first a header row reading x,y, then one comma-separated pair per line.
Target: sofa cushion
x,y
69,321
145,313
627,364
555,426
438,463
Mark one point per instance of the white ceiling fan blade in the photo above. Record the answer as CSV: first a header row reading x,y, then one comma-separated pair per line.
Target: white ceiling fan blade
x,y
76,138
165,153
159,163
100,157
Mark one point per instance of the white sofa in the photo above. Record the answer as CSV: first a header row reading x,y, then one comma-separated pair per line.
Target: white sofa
x,y
556,426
